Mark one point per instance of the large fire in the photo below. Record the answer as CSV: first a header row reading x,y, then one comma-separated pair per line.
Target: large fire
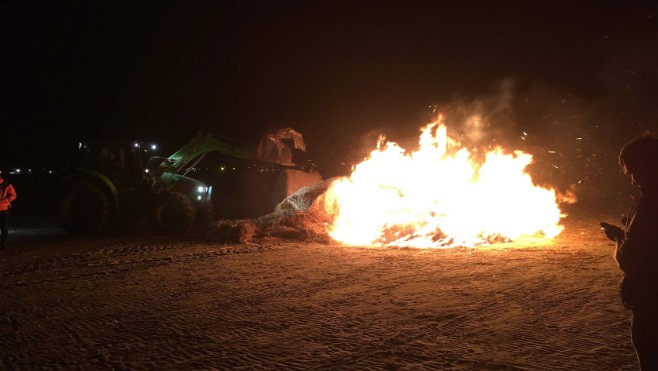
x,y
439,196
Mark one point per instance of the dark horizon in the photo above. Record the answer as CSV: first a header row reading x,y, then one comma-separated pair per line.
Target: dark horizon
x,y
339,72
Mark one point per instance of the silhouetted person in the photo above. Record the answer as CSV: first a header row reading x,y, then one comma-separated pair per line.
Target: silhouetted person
x,y
7,195
637,248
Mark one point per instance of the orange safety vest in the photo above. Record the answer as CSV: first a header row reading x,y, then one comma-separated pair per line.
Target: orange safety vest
x,y
7,195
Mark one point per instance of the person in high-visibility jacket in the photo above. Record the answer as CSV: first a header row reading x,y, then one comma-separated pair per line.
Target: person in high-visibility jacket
x,y
7,195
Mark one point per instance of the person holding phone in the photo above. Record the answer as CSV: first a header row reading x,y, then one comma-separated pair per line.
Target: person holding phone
x,y
636,250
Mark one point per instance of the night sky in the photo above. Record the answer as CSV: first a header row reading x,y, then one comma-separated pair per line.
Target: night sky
x,y
574,78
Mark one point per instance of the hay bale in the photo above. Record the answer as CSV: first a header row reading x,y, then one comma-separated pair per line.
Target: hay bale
x,y
303,198
302,216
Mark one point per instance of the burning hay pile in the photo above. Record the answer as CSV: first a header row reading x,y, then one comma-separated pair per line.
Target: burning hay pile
x,y
441,195
301,216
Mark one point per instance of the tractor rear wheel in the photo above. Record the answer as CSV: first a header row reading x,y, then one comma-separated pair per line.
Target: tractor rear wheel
x,y
172,213
84,208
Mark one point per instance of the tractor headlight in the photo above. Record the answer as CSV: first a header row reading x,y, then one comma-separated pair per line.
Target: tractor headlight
x,y
203,193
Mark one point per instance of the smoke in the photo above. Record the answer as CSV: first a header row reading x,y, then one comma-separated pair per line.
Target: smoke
x,y
574,132
574,138
481,119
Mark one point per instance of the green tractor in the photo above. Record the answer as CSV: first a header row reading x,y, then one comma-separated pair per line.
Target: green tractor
x,y
120,183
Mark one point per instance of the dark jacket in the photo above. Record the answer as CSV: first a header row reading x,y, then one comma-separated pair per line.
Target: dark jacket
x,y
637,253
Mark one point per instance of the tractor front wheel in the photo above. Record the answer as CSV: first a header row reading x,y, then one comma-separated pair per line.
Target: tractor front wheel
x,y
205,215
172,213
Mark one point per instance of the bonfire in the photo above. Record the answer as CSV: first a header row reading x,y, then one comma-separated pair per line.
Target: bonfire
x,y
440,195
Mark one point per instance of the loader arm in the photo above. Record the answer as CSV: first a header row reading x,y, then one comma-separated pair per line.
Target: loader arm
x,y
192,152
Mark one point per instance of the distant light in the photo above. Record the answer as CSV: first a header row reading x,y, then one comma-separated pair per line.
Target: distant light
x,y
146,170
18,171
154,147
136,145
199,197
222,168
50,171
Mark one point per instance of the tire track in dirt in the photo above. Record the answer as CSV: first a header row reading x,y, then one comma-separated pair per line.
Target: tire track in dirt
x,y
133,305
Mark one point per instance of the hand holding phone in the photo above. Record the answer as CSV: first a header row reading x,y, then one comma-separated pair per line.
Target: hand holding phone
x,y
613,232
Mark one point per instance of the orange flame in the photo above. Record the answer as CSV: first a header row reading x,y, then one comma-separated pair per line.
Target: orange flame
x,y
438,197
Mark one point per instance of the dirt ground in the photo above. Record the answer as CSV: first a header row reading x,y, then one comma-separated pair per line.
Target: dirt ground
x,y
146,302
